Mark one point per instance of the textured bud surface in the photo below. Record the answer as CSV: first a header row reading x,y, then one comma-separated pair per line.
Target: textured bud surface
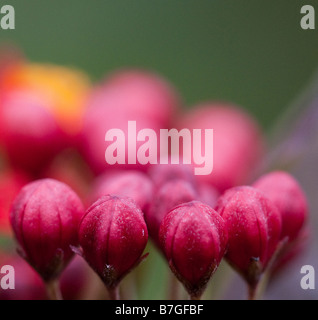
x,y
126,183
285,192
45,216
194,239
170,195
254,228
113,235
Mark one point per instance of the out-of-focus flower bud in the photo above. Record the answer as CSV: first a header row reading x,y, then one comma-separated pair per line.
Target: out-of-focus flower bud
x,y
74,280
135,96
208,194
285,192
237,142
41,109
45,216
125,183
69,167
290,253
254,228
194,239
162,173
29,134
27,283
139,92
113,236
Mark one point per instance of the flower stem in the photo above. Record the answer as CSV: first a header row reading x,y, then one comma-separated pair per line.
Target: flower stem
x,y
257,290
252,291
53,290
114,293
194,296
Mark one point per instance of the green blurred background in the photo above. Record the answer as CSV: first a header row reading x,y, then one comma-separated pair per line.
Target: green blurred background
x,y
250,52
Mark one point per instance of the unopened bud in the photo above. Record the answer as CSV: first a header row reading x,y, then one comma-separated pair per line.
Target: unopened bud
x,y
194,239
45,216
113,236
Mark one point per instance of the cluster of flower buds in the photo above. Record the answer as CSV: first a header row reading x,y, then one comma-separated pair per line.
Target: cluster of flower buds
x,y
194,220
287,195
261,220
254,228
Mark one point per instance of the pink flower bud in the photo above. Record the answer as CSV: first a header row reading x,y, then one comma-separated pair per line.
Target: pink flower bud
x,y
162,173
136,96
208,194
290,253
41,108
112,236
237,142
139,92
27,283
285,192
45,216
68,167
167,197
125,183
29,134
254,227
194,239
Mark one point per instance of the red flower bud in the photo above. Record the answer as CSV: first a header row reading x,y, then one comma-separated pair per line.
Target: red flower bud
x,y
27,283
285,192
68,167
208,194
139,92
29,134
254,227
194,239
237,144
125,183
290,253
45,216
170,195
113,235
41,109
162,173
125,96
